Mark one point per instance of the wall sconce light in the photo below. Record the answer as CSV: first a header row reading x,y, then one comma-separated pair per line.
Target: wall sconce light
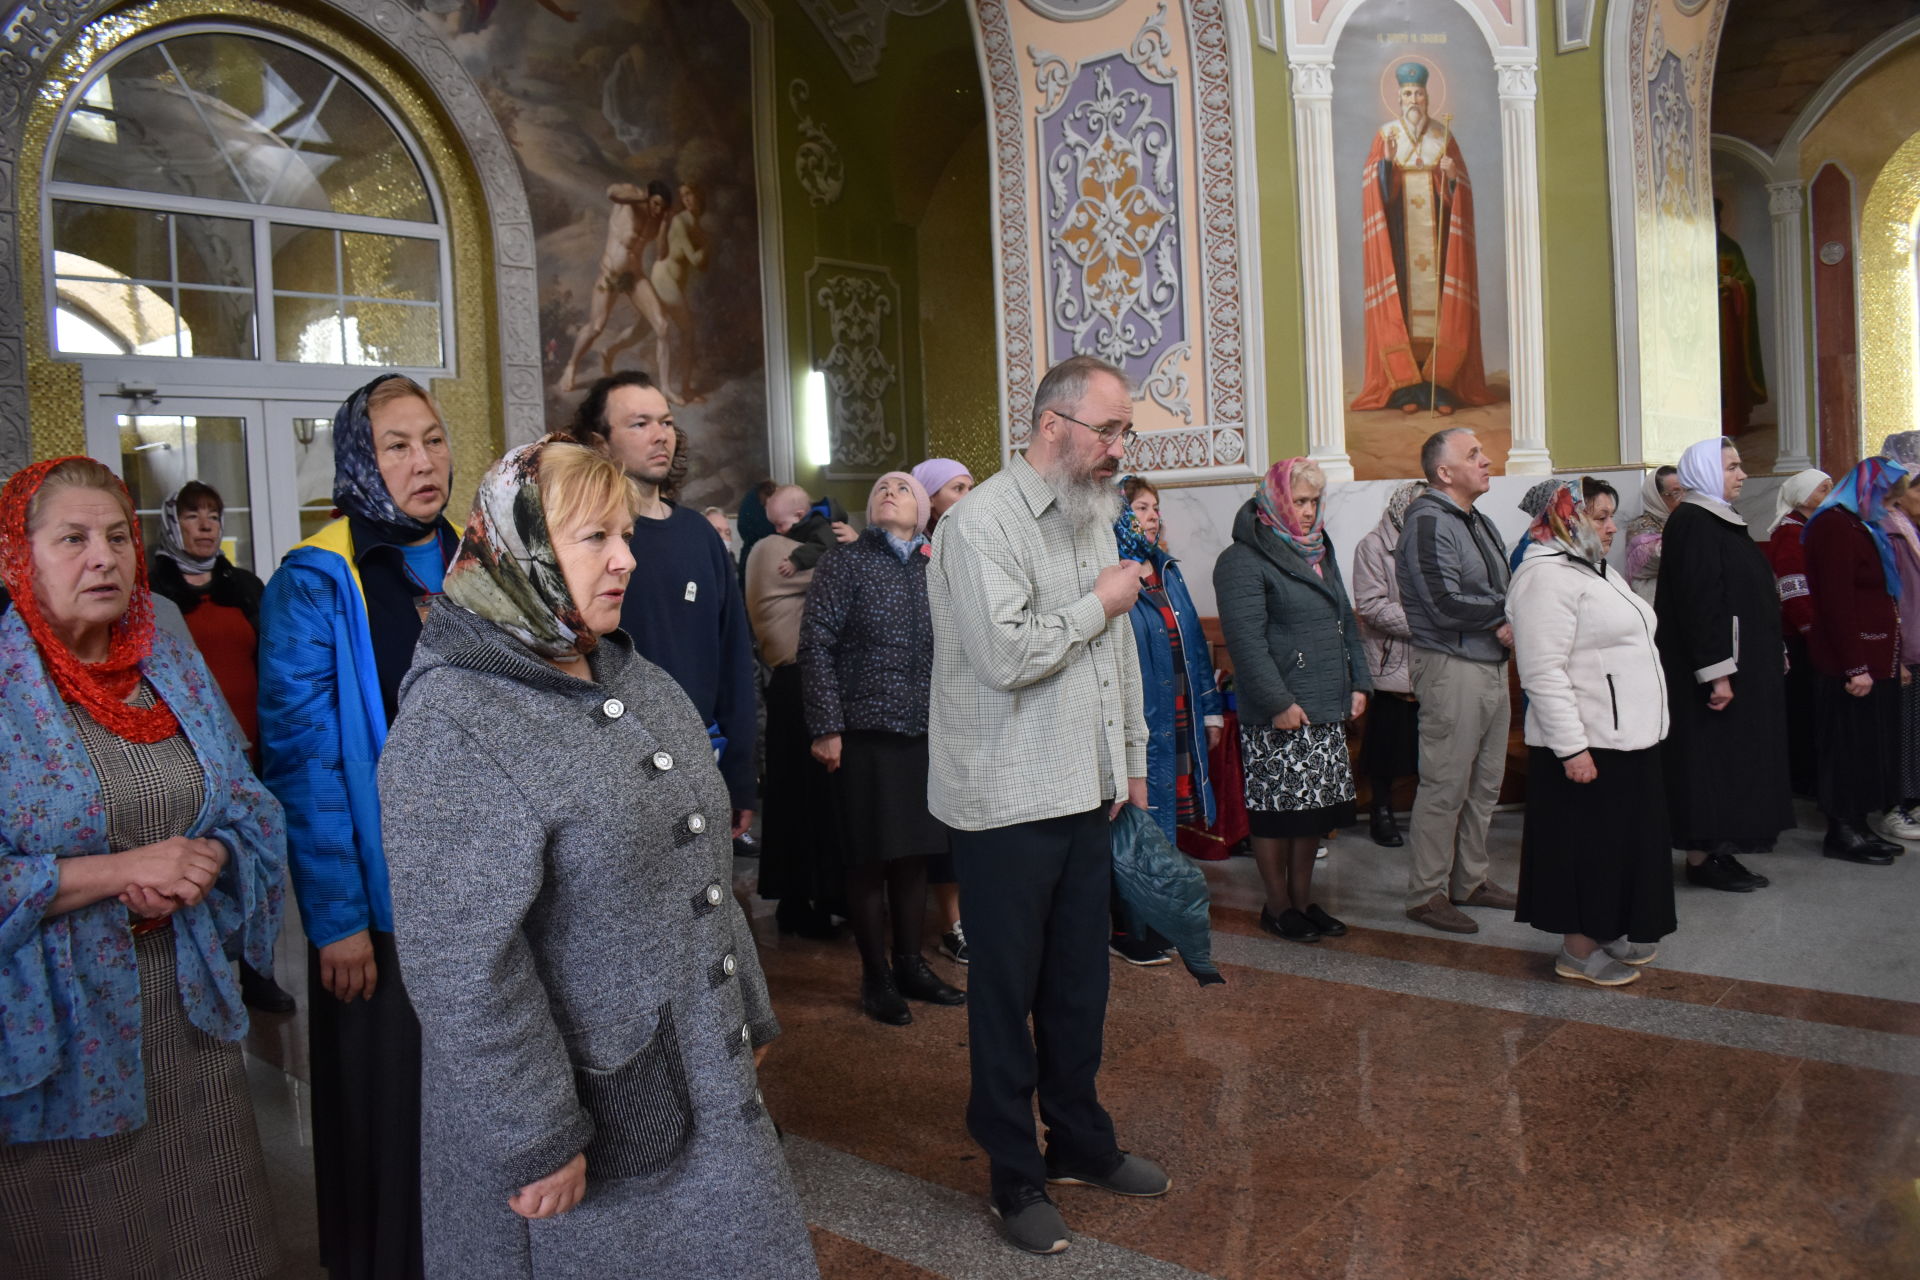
x,y
303,430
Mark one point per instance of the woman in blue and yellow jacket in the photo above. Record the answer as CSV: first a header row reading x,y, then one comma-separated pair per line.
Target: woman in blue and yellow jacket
x,y
338,626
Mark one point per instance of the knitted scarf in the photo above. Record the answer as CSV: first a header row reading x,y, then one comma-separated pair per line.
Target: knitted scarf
x,y
102,688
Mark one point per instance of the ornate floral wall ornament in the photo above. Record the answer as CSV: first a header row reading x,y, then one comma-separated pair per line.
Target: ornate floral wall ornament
x,y
1113,250
1168,383
1052,77
856,30
816,162
853,322
1151,48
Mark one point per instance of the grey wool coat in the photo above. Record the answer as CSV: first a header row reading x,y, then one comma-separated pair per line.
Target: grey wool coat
x,y
1291,632
561,869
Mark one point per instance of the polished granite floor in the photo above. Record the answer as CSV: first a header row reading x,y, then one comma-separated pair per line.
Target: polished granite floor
x,y
1394,1104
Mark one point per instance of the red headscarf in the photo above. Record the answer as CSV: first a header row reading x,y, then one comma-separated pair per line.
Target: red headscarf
x,y
102,688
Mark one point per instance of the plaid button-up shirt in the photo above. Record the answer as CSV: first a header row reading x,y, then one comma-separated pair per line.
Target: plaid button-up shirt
x,y
1036,693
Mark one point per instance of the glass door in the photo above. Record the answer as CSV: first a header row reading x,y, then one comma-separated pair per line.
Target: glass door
x,y
157,445
299,447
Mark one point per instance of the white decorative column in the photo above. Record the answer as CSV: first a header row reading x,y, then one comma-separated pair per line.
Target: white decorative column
x,y
1785,202
1320,266
1525,308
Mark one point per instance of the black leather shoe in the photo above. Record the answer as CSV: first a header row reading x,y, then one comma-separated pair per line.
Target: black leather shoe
x,y
881,1000
1759,881
1385,831
1289,924
1721,871
1326,924
1849,843
259,991
915,979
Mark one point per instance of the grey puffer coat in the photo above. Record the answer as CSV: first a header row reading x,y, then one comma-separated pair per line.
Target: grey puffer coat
x,y
561,872
1291,632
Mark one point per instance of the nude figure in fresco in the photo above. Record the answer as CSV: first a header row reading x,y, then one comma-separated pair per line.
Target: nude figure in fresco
x,y
636,223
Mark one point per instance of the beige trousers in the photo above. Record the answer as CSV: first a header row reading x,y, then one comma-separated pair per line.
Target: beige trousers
x,y
1464,720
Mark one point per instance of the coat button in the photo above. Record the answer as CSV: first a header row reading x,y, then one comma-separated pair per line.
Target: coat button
x,y
714,895
746,1034
696,823
662,761
613,708
728,964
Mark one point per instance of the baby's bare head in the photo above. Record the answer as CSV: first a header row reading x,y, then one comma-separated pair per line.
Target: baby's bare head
x,y
787,507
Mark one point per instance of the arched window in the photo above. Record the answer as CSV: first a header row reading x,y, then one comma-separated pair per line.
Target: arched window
x,y
221,195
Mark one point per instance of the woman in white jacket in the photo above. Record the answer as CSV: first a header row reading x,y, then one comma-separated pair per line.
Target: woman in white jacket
x,y
1596,857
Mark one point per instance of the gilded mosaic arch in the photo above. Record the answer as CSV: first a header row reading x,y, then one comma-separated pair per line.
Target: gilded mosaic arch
x,y
1889,325
46,48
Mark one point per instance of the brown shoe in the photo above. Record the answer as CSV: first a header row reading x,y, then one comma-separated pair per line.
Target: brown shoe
x,y
1437,914
1489,894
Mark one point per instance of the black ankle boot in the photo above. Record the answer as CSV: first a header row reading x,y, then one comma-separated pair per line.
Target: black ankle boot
x,y
1850,843
1385,831
915,978
880,999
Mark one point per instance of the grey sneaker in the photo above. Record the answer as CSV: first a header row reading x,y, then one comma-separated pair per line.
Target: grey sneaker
x,y
953,944
1633,953
1601,969
1133,1176
1029,1221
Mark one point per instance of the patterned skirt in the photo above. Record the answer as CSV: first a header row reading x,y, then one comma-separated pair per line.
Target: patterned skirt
x,y
183,1195
1299,781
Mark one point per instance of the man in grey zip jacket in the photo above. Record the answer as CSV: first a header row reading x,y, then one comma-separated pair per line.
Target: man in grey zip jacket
x,y
1453,583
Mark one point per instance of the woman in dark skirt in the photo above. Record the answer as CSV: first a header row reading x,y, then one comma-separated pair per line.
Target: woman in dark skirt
x,y
866,667
1719,638
1300,672
1392,746
1797,500
1902,532
1854,583
1595,859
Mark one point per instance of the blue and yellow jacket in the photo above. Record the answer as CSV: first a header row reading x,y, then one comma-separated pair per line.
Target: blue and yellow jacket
x,y
323,721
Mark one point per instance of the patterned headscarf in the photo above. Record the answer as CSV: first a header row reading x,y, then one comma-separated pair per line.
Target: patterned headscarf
x,y
507,571
1274,505
173,547
1562,524
922,507
1402,499
100,687
1702,472
1864,492
1904,448
1798,488
1132,538
358,489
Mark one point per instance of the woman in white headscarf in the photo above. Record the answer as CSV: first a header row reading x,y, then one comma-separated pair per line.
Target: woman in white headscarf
x,y
1719,639
1796,502
1659,495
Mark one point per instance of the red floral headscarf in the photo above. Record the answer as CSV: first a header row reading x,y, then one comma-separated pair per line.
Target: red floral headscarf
x,y
102,688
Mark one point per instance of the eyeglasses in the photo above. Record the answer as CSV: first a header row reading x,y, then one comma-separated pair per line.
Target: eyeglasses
x,y
1107,435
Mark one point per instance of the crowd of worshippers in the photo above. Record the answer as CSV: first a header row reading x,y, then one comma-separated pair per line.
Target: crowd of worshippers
x,y
505,766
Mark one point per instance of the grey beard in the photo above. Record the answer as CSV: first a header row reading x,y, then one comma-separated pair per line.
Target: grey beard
x,y
1086,501
1415,121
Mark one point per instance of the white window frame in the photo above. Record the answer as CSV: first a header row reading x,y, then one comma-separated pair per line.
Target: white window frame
x,y
265,374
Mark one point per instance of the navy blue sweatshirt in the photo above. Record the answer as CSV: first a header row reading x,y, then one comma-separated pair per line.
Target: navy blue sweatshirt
x,y
684,613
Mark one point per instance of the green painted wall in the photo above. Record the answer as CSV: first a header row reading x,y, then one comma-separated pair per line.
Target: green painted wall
x,y
898,135
1283,358
1576,252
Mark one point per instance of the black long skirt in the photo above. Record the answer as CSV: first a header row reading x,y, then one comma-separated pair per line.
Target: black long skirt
x,y
1596,857
800,854
366,1124
880,791
1859,744
1802,749
1910,739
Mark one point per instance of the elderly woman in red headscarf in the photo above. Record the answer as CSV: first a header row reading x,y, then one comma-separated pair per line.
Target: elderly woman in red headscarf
x,y
1300,672
1853,581
1596,857
135,844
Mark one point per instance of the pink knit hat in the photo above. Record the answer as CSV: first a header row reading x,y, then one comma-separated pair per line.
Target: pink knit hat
x,y
922,508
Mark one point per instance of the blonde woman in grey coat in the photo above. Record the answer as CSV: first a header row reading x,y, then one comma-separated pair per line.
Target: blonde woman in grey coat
x,y
589,999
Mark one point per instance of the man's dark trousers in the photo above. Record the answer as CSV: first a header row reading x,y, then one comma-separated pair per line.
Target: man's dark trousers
x,y
1034,897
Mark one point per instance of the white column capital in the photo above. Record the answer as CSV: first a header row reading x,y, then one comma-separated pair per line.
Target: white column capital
x,y
1785,199
1518,80
1312,78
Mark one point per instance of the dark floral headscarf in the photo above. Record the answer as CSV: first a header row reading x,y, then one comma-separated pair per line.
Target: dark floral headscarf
x,y
1402,499
358,489
506,570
